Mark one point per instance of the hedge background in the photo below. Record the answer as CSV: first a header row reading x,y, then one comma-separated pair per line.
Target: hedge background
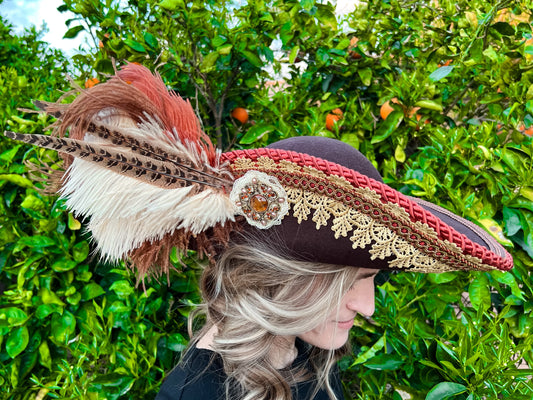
x,y
458,77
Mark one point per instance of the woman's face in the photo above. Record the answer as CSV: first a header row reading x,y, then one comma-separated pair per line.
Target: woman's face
x,y
333,333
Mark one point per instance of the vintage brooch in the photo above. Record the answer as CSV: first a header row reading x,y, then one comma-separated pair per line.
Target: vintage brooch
x,y
260,198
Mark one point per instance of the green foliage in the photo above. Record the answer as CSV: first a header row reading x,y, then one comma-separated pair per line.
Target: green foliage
x,y
460,73
69,327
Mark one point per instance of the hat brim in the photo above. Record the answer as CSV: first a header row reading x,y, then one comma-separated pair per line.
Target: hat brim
x,y
342,213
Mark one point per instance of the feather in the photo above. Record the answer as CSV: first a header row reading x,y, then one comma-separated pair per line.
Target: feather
x,y
163,173
175,113
140,169
140,212
149,140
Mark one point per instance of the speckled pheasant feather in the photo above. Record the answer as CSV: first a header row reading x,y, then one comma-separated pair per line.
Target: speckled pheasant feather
x,y
140,169
142,162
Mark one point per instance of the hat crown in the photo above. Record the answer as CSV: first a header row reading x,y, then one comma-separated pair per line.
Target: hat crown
x,y
331,150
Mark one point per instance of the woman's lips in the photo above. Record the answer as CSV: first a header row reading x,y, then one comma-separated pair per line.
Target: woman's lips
x,y
345,324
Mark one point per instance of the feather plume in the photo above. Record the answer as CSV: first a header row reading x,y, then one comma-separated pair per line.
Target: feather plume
x,y
130,154
124,212
141,169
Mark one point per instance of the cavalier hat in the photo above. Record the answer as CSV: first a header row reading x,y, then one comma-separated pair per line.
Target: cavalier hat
x,y
148,179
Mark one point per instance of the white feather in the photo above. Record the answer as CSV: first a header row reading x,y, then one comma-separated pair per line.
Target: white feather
x,y
125,212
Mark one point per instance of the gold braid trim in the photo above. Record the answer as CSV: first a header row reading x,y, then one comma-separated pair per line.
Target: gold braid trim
x,y
326,196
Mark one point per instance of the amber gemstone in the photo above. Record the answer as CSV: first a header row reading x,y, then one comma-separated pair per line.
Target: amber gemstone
x,y
259,203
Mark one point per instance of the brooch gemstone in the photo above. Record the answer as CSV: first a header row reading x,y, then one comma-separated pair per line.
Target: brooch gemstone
x,y
260,198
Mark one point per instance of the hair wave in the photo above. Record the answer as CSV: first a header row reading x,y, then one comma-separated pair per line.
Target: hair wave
x,y
254,296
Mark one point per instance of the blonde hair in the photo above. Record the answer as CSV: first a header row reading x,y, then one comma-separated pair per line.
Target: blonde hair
x,y
254,296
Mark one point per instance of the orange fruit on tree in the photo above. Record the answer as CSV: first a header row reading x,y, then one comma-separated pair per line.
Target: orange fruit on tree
x,y
89,83
526,131
338,112
332,118
386,108
240,114
351,49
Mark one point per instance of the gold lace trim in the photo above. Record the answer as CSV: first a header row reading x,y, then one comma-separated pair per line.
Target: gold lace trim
x,y
311,192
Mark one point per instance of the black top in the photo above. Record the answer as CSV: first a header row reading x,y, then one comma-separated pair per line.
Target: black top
x,y
200,376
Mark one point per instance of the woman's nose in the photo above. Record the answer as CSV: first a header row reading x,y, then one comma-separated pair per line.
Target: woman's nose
x,y
362,299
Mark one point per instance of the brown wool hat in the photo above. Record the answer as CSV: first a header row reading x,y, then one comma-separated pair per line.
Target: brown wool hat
x,y
148,179
342,213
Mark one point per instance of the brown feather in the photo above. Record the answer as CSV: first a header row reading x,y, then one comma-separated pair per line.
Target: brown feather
x,y
152,258
156,151
159,173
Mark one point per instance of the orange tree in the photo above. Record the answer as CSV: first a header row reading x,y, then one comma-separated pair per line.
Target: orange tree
x,y
460,74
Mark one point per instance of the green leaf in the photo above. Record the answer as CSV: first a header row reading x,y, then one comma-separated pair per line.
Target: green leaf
x,y
44,310
385,362
444,390
512,221
63,265
49,297
429,104
63,326
441,73
286,33
504,28
371,352
443,277
104,66
119,307
36,241
225,49
366,75
73,32
122,288
90,291
32,202
399,154
387,126
293,54
219,40
209,61
252,58
255,133
176,342
44,355
80,251
134,45
479,292
495,230
307,4
73,223
351,138
17,180
17,341
514,160
170,4
12,316
150,40
508,279
113,379
8,155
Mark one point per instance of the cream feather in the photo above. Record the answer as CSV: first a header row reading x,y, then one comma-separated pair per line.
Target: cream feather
x,y
124,212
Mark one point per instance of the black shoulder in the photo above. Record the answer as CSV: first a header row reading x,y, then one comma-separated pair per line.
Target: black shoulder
x,y
199,376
